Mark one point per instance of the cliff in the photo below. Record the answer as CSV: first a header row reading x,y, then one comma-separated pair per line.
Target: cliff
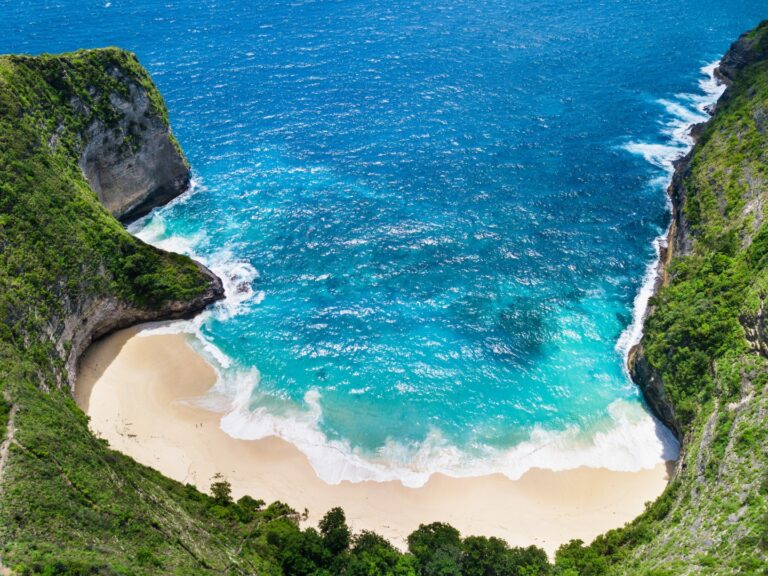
x,y
99,119
679,243
749,51
135,164
702,363
751,47
84,136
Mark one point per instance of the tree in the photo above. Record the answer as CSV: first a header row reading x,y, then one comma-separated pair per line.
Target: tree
x,y
248,507
575,558
437,548
372,555
482,556
530,561
221,490
300,553
249,503
335,532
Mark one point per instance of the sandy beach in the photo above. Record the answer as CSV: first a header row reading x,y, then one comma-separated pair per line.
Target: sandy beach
x,y
139,392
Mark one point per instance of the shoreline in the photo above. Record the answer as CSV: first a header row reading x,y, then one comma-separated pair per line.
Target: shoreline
x,y
141,394
667,245
663,244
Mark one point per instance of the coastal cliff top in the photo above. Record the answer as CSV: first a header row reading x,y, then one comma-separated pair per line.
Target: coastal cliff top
x,y
70,272
751,47
79,84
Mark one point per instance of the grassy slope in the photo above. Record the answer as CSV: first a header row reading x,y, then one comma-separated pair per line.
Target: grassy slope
x,y
713,519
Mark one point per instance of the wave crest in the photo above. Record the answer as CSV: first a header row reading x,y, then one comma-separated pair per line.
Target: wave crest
x,y
689,110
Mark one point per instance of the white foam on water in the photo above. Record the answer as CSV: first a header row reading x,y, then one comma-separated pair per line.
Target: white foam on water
x,y
660,155
237,278
627,439
634,332
685,112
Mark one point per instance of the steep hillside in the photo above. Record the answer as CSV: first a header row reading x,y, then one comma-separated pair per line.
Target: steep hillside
x,y
703,362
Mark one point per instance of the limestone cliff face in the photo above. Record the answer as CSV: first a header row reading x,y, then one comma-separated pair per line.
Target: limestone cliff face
x,y
85,119
134,165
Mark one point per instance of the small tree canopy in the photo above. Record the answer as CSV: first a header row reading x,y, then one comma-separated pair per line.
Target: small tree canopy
x,y
335,532
221,490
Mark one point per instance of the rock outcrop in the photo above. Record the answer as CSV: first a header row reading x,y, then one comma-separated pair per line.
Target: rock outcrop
x,y
75,129
652,386
750,47
756,329
136,164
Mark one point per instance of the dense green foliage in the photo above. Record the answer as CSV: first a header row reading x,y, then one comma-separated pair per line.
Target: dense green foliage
x,y
70,505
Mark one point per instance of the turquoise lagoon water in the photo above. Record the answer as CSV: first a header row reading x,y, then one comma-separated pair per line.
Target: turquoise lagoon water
x,y
435,219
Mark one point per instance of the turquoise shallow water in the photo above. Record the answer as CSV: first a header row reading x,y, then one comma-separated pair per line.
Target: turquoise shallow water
x,y
434,218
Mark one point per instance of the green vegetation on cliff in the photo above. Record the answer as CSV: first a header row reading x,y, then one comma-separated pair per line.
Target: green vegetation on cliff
x,y
706,340
63,495
70,505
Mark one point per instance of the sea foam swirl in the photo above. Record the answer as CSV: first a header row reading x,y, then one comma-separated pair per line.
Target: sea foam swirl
x,y
627,438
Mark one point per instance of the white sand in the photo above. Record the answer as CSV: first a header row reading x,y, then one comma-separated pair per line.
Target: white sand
x,y
136,390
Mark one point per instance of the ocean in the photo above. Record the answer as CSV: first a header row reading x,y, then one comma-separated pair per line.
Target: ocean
x,y
437,221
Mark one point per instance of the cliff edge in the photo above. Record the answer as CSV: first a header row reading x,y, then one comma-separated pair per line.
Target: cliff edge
x,y
751,47
84,138
81,131
702,363
113,119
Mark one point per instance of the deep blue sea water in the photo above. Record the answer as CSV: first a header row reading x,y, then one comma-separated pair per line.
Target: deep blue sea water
x,y
434,218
